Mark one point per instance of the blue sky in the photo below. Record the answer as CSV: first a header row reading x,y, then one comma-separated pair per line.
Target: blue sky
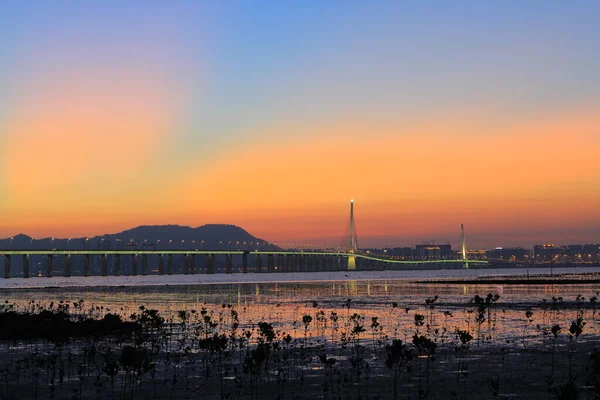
x,y
205,83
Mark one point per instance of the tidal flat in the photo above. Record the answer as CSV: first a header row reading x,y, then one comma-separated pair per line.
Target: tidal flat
x,y
361,339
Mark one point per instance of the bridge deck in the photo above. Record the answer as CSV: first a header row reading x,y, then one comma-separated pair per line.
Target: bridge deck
x,y
56,252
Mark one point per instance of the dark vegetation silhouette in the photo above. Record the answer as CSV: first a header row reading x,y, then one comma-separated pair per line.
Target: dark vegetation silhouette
x,y
75,350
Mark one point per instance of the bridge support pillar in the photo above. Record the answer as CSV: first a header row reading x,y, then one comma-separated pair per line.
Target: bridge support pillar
x,y
170,264
285,266
144,264
25,265
186,264
86,265
192,264
134,265
67,272
279,263
319,263
117,266
210,264
310,263
245,262
258,263
49,265
103,265
351,263
229,264
161,264
270,263
6,266
294,263
361,264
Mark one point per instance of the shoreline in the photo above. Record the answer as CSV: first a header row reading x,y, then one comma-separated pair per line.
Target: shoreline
x,y
515,281
440,277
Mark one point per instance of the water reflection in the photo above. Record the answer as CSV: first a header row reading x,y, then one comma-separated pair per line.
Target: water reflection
x,y
394,302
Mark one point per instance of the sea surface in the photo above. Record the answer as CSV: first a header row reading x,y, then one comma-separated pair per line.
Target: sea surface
x,y
297,277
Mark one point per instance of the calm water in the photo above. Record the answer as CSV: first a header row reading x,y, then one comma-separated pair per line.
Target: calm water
x,y
152,280
393,297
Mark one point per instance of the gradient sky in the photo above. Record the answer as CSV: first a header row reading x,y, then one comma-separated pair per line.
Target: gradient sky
x,y
273,115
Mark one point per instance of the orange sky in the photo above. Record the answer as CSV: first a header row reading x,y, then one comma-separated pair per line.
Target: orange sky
x,y
412,181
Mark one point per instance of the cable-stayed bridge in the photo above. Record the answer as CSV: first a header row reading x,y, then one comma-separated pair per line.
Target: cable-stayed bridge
x,y
192,261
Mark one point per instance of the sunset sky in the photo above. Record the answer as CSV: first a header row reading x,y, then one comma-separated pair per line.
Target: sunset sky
x,y
273,115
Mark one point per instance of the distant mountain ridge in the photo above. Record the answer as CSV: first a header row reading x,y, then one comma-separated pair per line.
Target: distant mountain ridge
x,y
205,237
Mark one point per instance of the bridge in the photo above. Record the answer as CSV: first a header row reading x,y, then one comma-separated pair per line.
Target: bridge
x,y
262,261
223,260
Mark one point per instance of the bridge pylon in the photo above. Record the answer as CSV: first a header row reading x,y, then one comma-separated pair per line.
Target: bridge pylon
x,y
353,238
463,240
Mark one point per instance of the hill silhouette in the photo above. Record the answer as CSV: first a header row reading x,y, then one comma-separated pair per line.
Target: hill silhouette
x,y
205,237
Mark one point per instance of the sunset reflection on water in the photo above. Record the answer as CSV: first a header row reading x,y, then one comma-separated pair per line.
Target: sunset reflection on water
x,y
394,303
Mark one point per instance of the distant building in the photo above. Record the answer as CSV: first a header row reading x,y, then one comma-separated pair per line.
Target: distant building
x,y
433,250
373,251
574,250
473,254
590,252
508,253
546,252
404,252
